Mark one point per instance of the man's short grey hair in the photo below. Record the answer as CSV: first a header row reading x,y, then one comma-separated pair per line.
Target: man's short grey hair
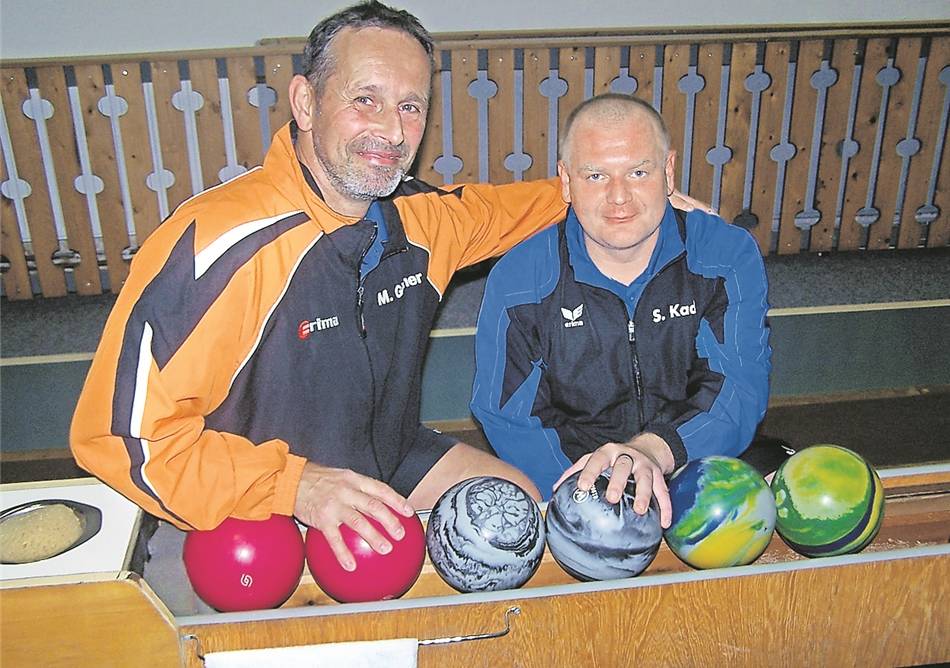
x,y
318,58
613,107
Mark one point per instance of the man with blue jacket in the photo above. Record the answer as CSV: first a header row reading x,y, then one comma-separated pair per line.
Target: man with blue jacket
x,y
631,335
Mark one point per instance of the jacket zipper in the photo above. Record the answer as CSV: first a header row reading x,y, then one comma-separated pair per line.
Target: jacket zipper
x,y
359,309
632,339
360,290
360,287
637,378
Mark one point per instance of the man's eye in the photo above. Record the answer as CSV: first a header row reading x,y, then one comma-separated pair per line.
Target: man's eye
x,y
595,177
412,108
364,100
639,173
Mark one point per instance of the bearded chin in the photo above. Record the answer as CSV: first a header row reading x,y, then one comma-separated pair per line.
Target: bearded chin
x,y
357,182
381,184
364,184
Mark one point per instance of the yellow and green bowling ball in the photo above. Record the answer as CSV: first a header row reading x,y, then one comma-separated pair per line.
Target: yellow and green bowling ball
x,y
723,513
829,501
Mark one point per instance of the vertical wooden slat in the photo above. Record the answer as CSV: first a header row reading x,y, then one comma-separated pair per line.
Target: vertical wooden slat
x,y
431,147
737,130
921,164
918,173
465,114
76,220
895,129
571,68
127,79
115,237
16,279
801,134
770,133
279,72
676,65
705,121
171,127
535,136
39,215
865,130
939,234
204,80
247,127
501,114
833,133
606,67
642,58
850,187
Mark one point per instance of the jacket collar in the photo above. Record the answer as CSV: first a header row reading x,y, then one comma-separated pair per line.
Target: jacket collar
x,y
296,183
669,246
288,177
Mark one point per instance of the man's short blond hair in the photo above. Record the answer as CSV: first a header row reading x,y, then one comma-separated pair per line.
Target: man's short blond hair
x,y
612,107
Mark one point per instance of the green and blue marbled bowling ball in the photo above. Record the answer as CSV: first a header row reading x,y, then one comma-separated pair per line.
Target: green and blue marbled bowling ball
x,y
723,513
829,501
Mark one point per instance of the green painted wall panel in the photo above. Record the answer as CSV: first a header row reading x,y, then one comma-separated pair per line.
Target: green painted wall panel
x,y
37,403
846,352
813,354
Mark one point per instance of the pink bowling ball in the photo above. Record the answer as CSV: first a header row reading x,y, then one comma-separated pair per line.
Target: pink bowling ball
x,y
245,564
377,576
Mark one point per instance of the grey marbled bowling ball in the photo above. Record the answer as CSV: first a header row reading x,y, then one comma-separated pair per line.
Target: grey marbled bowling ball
x,y
593,539
485,534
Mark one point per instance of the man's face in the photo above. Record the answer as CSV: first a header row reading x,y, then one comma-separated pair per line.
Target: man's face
x,y
371,114
616,176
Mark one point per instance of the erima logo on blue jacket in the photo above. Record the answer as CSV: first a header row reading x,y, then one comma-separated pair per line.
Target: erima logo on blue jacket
x,y
572,317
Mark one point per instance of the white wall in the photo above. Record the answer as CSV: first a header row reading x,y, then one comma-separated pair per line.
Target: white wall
x,y
52,28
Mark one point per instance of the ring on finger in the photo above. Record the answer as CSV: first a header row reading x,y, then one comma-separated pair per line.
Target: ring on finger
x,y
617,460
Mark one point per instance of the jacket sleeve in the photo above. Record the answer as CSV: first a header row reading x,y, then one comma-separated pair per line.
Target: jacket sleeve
x,y
428,447
729,379
139,424
462,225
509,384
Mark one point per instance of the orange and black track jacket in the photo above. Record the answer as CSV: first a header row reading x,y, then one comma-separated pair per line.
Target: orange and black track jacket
x,y
258,329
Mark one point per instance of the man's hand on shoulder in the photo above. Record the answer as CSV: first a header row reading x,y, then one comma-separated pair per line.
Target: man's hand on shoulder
x,y
328,498
687,203
646,458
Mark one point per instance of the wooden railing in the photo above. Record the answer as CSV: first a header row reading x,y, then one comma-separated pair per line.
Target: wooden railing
x,y
819,139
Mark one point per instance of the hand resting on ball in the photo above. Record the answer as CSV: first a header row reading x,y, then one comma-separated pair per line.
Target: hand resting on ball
x,y
645,458
329,497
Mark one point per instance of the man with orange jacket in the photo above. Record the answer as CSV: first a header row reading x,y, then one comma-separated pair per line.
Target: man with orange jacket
x,y
265,354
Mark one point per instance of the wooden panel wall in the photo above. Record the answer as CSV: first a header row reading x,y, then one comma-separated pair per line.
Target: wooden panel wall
x,y
823,139
877,613
118,623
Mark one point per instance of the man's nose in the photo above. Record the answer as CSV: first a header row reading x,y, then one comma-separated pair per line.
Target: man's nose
x,y
618,191
388,126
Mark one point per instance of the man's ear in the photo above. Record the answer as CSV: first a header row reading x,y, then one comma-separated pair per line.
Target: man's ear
x,y
565,181
302,99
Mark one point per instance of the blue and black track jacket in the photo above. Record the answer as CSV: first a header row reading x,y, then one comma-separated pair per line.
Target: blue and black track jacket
x,y
568,359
